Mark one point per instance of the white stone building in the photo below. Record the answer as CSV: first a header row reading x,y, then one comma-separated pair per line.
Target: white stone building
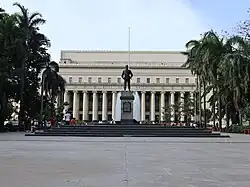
x,y
94,79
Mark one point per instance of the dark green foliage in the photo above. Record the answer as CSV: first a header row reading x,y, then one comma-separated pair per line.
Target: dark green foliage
x,y
23,56
223,66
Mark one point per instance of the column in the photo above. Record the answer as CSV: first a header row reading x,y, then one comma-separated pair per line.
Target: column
x,y
182,106
162,109
85,106
143,94
113,105
66,100
172,104
152,109
192,96
95,106
75,105
104,106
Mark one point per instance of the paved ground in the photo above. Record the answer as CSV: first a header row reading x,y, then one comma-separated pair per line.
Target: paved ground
x,y
131,162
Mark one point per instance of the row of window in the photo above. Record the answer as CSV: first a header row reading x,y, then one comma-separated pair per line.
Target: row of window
x,y
138,80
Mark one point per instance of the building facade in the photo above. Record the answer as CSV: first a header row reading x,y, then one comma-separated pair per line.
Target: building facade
x,y
94,79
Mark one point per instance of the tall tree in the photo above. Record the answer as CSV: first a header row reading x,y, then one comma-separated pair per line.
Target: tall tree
x,y
223,65
195,62
28,23
9,42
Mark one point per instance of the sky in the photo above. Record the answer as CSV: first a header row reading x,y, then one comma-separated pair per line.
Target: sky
x,y
155,24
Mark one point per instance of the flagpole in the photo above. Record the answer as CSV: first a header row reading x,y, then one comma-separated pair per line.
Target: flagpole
x,y
128,46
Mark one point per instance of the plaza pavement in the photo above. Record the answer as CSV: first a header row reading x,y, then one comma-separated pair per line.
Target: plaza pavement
x,y
126,161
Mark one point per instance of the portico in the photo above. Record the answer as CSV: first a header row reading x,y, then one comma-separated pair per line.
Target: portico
x,y
100,105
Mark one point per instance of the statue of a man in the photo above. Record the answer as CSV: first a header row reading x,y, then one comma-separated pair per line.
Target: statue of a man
x,y
127,76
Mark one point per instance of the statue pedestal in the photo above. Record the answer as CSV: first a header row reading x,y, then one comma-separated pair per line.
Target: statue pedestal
x,y
127,99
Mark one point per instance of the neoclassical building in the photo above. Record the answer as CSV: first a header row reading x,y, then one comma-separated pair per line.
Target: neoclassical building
x,y
94,80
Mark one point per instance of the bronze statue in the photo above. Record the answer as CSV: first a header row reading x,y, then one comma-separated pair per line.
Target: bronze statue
x,y
127,76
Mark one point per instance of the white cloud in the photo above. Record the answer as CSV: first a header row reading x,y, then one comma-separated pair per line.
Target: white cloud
x,y
99,24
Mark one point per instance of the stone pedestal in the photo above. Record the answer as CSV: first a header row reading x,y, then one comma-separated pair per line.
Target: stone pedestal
x,y
127,100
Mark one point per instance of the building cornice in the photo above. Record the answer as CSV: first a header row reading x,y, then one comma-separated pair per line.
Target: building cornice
x,y
75,66
123,51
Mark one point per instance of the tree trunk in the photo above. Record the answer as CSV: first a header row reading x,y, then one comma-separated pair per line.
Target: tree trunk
x,y
1,125
2,109
21,111
195,99
52,107
1,117
237,107
42,90
213,110
227,117
240,117
200,114
219,110
1,120
195,106
204,104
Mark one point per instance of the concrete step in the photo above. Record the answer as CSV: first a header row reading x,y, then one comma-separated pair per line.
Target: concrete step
x,y
130,130
127,130
129,135
122,132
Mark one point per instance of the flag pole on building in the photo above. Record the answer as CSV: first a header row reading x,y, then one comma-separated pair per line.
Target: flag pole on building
x,y
128,46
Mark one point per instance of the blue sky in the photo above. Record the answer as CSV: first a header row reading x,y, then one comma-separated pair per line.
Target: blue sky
x,y
155,24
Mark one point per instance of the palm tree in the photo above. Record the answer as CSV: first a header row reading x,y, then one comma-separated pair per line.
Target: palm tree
x,y
214,50
53,84
238,71
28,23
205,58
223,66
195,64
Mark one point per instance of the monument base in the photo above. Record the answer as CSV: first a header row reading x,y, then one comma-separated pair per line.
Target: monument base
x,y
127,122
127,99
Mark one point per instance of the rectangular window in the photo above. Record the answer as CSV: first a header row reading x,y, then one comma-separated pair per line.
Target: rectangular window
x,y
70,79
177,80
138,80
89,80
187,80
80,79
119,80
109,80
148,80
167,80
158,80
99,80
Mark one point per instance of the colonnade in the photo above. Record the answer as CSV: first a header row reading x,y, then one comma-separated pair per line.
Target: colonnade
x,y
87,111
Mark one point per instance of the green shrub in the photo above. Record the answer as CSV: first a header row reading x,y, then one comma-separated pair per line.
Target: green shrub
x,y
237,128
